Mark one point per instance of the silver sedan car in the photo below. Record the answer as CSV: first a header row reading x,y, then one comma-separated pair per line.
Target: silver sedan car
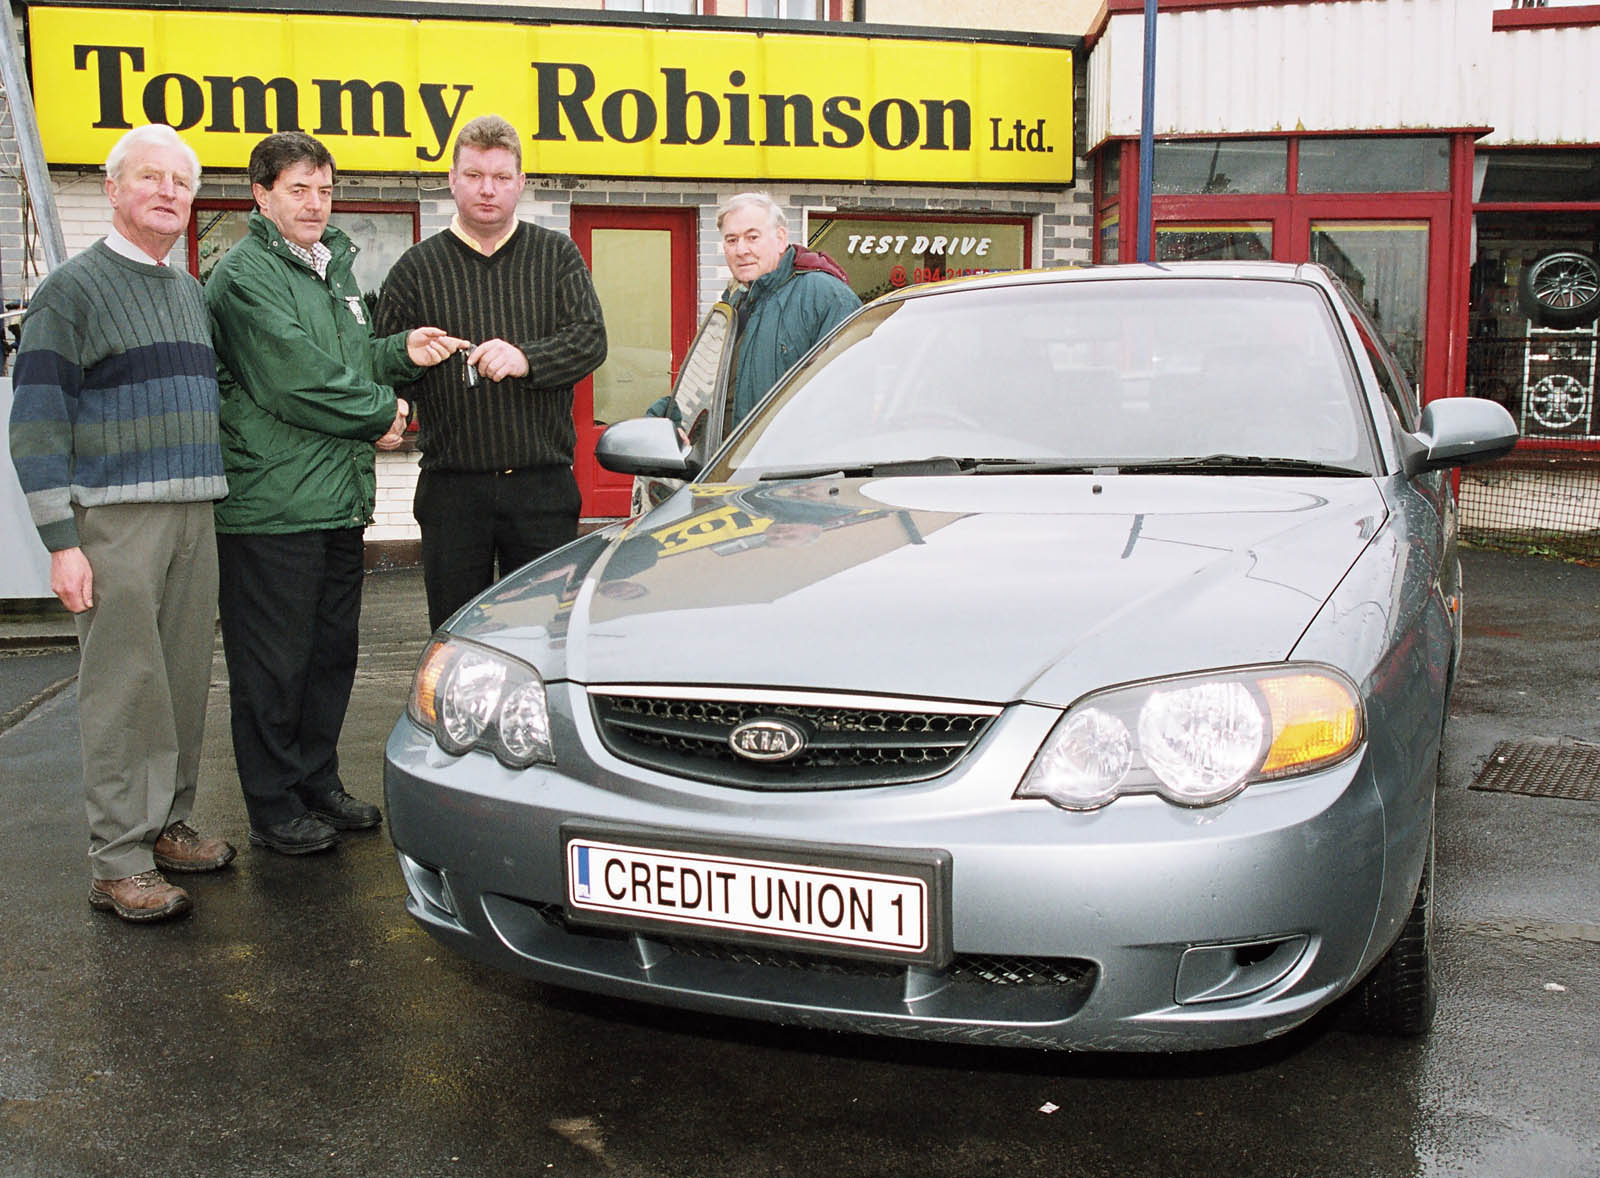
x,y
1055,660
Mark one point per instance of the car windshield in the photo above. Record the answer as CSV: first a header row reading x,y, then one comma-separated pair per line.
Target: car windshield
x,y
1227,374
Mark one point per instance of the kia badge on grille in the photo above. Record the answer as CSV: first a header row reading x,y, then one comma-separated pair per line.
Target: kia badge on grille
x,y
767,740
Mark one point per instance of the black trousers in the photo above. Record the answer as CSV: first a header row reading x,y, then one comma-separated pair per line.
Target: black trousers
x,y
477,527
290,607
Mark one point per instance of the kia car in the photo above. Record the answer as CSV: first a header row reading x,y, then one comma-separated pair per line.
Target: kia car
x,y
1053,660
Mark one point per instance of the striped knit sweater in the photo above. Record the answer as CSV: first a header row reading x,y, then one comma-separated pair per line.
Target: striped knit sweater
x,y
535,292
115,392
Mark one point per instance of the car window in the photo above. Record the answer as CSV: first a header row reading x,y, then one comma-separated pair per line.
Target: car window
x,y
1396,389
1097,372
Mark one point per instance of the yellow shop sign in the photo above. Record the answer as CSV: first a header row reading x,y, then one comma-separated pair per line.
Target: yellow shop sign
x,y
387,95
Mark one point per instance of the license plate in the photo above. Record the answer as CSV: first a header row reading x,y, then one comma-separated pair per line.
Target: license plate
x,y
851,907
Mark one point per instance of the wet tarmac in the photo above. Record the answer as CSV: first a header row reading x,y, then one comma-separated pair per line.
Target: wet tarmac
x,y
299,1024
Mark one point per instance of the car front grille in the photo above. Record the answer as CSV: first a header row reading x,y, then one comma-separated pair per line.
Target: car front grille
x,y
1064,975
850,741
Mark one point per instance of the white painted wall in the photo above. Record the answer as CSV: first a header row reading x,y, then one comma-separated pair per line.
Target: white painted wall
x,y
1344,65
1541,87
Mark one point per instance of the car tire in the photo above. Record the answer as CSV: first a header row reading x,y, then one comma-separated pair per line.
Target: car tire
x,y
1399,996
1562,290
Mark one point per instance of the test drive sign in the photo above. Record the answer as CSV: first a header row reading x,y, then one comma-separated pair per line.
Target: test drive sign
x,y
387,95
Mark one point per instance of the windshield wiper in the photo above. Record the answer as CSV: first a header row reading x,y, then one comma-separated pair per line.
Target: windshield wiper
x,y
943,465
1037,466
1240,464
905,467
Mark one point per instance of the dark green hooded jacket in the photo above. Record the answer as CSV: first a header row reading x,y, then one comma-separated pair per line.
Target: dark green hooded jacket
x,y
781,315
306,387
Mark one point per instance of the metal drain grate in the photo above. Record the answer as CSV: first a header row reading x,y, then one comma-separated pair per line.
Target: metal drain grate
x,y
1544,769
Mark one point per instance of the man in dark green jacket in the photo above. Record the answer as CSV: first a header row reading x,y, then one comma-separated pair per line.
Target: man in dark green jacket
x,y
785,298
306,392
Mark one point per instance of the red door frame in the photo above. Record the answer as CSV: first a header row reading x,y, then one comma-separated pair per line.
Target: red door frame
x,y
606,494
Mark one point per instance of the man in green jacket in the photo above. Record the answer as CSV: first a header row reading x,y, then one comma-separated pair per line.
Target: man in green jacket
x,y
785,298
306,391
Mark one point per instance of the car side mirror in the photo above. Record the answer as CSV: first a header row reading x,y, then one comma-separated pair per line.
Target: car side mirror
x,y
1459,431
646,446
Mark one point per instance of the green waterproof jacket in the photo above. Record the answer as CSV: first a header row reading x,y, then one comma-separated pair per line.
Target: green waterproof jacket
x,y
306,387
781,315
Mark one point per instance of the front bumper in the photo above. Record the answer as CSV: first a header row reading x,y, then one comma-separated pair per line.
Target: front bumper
x,y
1141,926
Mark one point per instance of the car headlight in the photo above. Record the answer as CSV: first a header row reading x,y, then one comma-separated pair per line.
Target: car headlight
x,y
471,697
1197,740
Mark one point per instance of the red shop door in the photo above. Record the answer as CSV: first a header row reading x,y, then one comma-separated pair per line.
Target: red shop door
x,y
643,262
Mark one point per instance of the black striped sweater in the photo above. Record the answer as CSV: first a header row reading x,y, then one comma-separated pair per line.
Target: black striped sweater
x,y
535,292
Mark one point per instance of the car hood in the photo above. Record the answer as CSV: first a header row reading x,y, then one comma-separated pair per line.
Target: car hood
x,y
992,589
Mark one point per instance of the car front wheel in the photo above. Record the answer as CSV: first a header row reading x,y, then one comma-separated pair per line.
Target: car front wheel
x,y
1399,996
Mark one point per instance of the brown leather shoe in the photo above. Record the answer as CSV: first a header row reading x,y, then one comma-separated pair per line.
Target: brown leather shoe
x,y
146,896
182,848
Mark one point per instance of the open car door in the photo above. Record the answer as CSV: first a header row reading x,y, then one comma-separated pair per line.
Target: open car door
x,y
699,401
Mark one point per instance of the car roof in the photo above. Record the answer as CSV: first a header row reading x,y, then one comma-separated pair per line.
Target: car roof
x,y
1303,272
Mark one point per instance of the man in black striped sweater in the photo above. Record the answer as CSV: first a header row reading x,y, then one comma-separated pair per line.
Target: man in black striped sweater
x,y
495,488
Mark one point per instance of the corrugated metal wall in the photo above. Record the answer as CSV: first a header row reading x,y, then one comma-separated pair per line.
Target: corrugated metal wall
x,y
1347,65
1542,86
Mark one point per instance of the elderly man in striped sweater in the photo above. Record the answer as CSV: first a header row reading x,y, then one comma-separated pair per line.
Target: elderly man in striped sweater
x,y
115,441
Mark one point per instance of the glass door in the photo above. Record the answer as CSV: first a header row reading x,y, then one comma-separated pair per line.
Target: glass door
x,y
643,267
1397,268
1385,265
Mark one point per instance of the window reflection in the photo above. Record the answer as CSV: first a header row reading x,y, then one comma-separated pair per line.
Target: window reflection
x,y
1107,372
1375,163
1189,166
1385,266
1231,242
380,236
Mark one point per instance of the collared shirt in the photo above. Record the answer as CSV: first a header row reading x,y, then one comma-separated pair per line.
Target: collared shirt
x,y
455,227
120,245
316,256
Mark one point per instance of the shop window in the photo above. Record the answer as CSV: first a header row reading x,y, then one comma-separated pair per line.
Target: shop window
x,y
1374,164
676,7
1108,206
1110,228
1543,176
1385,266
381,232
761,9
788,9
1193,166
882,254
1228,242
1399,392
1542,368
1110,171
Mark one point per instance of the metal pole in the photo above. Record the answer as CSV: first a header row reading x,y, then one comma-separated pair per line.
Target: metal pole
x,y
25,125
1147,123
